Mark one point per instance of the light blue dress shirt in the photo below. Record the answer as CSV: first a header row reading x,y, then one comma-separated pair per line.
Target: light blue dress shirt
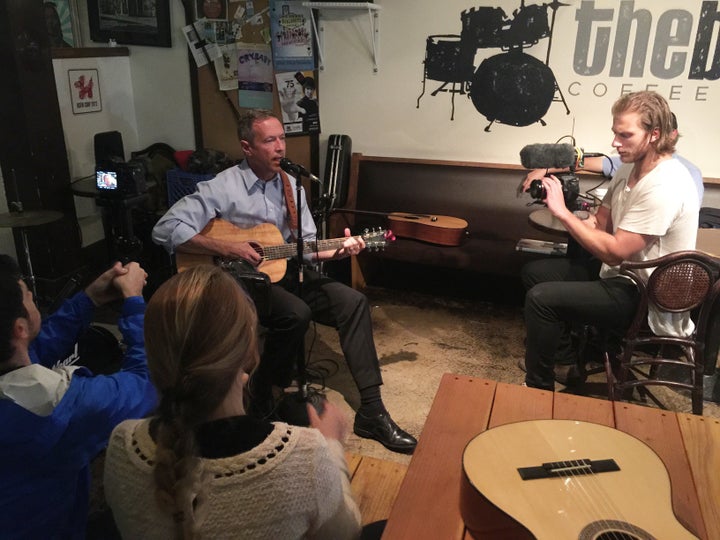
x,y
236,195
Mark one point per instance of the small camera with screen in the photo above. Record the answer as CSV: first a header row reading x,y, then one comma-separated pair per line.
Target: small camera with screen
x,y
114,178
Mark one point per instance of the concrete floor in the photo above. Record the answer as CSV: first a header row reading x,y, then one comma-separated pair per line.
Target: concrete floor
x,y
419,337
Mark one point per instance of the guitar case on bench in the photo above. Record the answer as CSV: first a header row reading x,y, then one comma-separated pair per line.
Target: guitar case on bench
x,y
335,193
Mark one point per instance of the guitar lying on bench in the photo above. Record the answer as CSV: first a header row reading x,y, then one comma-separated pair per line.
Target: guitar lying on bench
x,y
267,240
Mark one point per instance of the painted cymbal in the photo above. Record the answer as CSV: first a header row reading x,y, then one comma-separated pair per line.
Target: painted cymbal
x,y
29,218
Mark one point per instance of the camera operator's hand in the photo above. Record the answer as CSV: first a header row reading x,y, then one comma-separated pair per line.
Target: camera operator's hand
x,y
535,174
555,198
132,282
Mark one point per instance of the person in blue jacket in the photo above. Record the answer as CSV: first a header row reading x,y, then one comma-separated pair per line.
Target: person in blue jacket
x,y
55,419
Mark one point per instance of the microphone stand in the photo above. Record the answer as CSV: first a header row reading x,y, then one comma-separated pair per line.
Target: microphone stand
x,y
288,409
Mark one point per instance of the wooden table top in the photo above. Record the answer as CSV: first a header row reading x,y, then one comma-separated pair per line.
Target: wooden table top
x,y
427,505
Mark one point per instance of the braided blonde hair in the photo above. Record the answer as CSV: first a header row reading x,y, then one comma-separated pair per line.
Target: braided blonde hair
x,y
200,330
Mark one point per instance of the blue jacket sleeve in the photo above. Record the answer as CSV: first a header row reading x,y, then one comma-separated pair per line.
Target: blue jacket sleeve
x,y
60,331
101,402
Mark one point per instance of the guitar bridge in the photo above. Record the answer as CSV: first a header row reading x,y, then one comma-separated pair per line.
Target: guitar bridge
x,y
575,467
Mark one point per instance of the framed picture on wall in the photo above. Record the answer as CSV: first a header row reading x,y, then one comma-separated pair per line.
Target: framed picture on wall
x,y
84,90
61,21
145,22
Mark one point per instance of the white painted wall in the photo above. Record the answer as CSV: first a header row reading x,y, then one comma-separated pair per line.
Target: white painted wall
x,y
118,109
145,96
160,86
378,110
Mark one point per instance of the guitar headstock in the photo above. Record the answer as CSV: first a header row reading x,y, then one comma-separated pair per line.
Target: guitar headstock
x,y
377,239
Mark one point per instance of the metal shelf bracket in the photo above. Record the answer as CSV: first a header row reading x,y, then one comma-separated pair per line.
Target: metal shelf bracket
x,y
352,8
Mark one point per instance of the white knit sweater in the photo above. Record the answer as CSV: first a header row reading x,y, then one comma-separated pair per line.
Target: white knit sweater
x,y
292,485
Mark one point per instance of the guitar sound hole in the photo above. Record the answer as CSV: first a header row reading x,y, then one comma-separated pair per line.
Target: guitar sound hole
x,y
613,530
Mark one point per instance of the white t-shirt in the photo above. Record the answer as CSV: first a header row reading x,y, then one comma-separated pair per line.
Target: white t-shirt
x,y
664,205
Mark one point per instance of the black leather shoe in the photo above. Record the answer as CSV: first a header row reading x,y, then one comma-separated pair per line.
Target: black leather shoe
x,y
569,375
566,374
383,429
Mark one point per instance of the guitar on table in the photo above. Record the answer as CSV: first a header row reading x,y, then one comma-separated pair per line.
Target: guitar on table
x,y
565,479
267,240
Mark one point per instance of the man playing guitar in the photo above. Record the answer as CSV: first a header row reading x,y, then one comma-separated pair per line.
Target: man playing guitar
x,y
250,194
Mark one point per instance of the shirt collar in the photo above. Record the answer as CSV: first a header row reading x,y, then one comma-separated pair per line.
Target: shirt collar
x,y
251,180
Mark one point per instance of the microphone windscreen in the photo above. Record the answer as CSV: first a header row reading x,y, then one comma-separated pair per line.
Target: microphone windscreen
x,y
546,156
288,166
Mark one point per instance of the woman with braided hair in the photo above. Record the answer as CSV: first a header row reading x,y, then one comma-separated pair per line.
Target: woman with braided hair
x,y
202,468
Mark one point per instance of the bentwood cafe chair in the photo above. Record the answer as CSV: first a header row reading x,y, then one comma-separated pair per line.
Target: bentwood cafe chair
x,y
681,282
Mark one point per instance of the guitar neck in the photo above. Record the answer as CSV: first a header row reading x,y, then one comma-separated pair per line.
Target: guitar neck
x,y
285,251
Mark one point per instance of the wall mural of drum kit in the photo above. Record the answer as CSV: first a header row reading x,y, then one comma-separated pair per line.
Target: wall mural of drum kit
x,y
511,87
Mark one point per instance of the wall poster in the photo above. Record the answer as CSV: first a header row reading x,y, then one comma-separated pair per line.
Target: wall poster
x,y
84,91
297,92
255,75
292,39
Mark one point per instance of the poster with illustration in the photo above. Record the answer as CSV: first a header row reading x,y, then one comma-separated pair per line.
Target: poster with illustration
x,y
202,49
292,38
84,91
255,75
298,102
226,67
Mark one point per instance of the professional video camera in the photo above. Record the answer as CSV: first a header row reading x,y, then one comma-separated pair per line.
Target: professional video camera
x,y
556,156
570,187
120,179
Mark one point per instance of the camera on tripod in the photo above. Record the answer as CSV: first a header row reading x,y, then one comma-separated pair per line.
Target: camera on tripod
x,y
116,178
570,187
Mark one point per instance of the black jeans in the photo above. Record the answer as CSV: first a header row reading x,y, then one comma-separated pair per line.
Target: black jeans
x,y
328,302
565,291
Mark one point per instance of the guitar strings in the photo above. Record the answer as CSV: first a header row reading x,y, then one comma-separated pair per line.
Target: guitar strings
x,y
596,501
284,251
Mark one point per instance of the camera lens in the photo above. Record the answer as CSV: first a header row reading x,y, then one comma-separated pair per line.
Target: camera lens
x,y
537,190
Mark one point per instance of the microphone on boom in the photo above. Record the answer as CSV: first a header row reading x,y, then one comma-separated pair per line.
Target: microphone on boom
x,y
554,156
548,156
297,170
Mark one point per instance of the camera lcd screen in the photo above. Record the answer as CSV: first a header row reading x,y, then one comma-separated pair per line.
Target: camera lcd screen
x,y
106,180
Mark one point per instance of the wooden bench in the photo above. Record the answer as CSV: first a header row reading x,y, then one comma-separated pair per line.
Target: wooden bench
x,y
485,195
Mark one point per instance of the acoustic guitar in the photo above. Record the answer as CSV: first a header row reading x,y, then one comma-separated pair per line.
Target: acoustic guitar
x,y
431,228
564,479
441,230
267,240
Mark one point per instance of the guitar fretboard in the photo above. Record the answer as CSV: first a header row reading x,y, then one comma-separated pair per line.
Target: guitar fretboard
x,y
285,251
